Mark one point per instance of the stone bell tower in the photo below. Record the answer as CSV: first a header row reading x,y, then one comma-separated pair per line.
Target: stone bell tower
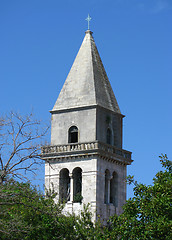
x,y
85,161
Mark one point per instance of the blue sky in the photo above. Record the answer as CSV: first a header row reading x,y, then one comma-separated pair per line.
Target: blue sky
x,y
38,44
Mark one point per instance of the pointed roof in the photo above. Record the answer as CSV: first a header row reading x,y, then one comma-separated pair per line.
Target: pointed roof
x,y
87,83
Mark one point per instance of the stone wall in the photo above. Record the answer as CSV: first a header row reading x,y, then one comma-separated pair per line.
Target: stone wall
x,y
84,120
107,119
93,184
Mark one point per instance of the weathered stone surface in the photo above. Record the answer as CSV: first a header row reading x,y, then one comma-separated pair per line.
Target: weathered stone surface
x,y
84,119
87,102
87,82
93,184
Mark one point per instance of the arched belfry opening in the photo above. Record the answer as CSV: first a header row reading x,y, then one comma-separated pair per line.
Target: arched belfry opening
x,y
109,136
64,185
114,189
77,184
73,134
107,186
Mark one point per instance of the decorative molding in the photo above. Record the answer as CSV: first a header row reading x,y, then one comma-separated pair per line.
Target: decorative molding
x,y
81,151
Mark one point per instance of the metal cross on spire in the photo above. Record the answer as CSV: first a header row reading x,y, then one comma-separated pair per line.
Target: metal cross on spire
x,y
88,19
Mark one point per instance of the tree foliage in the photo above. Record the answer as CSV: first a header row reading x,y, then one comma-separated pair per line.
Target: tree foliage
x,y
148,215
26,213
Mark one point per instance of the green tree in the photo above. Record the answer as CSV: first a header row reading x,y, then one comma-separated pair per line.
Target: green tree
x,y
26,213
148,215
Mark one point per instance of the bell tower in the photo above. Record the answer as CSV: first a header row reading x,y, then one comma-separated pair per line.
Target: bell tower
x,y
85,161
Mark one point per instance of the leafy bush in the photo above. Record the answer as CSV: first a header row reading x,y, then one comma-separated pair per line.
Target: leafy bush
x,y
78,198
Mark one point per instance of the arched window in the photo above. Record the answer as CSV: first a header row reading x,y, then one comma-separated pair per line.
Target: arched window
x,y
115,140
109,136
107,182
114,189
73,134
77,185
64,185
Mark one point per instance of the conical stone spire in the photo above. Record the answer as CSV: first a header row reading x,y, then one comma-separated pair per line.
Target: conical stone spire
x,y
87,83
